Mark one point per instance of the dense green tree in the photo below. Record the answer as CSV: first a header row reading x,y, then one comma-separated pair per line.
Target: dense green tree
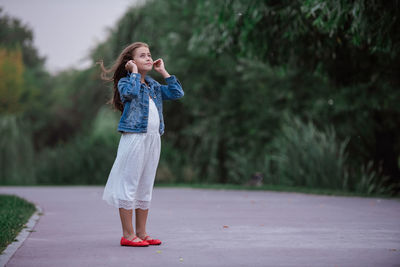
x,y
33,98
11,80
355,44
14,33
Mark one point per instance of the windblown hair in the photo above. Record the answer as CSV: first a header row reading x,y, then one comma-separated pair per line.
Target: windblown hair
x,y
118,71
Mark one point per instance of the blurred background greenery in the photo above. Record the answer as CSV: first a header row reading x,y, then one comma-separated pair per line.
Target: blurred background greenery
x,y
304,92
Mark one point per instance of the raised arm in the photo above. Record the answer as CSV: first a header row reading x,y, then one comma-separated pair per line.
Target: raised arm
x,y
129,87
173,89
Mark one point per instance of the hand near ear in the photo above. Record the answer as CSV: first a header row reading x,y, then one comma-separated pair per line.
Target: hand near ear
x,y
131,66
159,67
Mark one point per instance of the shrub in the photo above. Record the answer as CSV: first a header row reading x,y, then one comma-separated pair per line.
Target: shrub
x,y
16,151
306,156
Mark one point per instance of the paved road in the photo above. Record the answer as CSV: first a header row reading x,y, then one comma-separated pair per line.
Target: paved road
x,y
212,228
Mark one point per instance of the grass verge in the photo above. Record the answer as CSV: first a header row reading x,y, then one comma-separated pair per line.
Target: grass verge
x,y
278,188
265,187
14,213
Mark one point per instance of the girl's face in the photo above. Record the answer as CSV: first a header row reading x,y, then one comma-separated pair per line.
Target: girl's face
x,y
142,59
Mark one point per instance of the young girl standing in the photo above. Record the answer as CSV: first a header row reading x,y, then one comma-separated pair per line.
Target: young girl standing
x,y
139,98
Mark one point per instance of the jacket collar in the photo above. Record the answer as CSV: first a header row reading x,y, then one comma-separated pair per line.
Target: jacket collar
x,y
150,81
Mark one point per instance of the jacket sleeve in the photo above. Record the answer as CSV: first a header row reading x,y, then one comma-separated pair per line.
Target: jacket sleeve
x,y
129,87
173,89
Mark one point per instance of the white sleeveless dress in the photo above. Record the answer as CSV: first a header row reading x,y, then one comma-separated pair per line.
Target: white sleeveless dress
x,y
131,180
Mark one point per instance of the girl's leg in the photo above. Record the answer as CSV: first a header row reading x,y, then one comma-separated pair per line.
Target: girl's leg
x,y
127,228
146,183
141,218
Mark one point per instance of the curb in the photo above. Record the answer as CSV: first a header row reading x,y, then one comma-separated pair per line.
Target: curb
x,y
12,248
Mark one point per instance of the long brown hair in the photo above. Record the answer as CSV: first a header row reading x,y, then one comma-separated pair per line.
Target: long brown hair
x,y
119,71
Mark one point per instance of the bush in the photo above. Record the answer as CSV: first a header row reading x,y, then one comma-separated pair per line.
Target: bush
x,y
175,165
306,156
16,152
372,181
86,159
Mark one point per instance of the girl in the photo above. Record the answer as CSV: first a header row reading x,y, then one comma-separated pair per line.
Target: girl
x,y
139,98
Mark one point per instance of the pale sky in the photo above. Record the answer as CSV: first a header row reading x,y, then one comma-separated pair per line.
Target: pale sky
x,y
65,31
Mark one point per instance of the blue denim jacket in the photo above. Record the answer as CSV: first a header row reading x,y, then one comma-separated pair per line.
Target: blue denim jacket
x,y
135,97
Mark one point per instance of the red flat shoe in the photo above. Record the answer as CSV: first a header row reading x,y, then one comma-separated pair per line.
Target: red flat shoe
x,y
152,241
126,242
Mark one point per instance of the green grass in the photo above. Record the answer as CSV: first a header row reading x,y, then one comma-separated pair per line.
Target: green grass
x,y
14,213
265,187
278,188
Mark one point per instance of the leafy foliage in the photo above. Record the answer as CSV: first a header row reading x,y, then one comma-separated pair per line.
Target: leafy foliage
x,y
11,80
14,34
309,157
353,44
16,154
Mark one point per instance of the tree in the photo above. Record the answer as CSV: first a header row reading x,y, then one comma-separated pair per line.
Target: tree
x,y
355,44
13,33
11,80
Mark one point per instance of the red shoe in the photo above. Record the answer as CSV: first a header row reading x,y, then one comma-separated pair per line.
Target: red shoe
x,y
126,242
152,241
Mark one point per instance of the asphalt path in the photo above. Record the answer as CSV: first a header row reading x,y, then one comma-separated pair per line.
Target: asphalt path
x,y
202,227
